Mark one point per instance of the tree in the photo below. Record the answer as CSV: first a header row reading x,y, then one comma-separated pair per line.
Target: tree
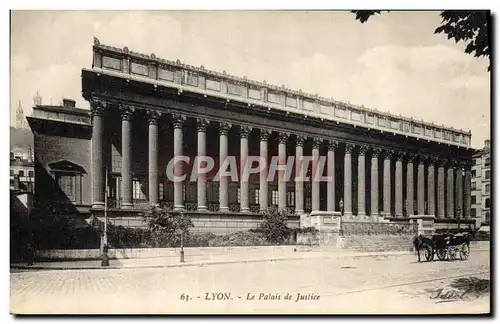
x,y
274,225
471,27
165,225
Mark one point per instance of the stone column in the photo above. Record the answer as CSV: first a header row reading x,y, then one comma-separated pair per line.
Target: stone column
x,y
153,117
331,176
387,183
244,134
459,190
361,181
315,178
348,180
410,198
282,138
440,196
263,194
450,207
223,181
431,189
374,209
178,123
399,185
201,126
97,111
467,191
126,115
299,175
421,186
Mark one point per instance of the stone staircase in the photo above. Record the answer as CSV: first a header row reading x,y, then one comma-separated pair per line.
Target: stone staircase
x,y
376,243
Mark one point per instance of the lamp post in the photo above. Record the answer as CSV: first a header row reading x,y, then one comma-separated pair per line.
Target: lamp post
x,y
105,260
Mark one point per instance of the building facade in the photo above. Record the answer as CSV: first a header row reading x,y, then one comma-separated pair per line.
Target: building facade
x,y
481,184
145,111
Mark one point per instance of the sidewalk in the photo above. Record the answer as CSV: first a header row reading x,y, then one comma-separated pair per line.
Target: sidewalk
x,y
202,260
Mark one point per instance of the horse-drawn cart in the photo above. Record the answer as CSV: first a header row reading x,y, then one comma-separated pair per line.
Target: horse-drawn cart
x,y
444,246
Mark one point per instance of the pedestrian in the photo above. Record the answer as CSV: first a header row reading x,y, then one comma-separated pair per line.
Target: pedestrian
x,y
31,250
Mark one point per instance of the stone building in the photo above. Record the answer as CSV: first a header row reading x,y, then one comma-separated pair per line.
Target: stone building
x,y
481,184
146,110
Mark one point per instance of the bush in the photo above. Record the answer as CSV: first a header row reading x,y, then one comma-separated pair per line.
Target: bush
x,y
274,226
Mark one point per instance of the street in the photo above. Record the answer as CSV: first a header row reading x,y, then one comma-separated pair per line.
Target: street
x,y
390,284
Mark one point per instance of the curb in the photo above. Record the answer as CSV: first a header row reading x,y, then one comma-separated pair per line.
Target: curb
x,y
208,263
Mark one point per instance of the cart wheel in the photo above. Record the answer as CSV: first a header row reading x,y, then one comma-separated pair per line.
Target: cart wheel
x,y
464,251
428,252
441,253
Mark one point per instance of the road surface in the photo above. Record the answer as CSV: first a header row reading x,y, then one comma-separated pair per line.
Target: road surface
x,y
374,285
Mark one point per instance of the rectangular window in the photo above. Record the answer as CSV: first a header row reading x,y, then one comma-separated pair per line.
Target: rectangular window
x,y
30,174
290,199
11,172
487,203
161,191
487,161
274,197
67,184
487,188
137,190
473,212
473,173
486,174
473,200
21,173
473,186
256,195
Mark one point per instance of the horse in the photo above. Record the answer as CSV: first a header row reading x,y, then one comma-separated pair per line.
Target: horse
x,y
421,242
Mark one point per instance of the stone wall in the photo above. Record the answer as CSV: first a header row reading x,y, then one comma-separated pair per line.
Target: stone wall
x,y
369,228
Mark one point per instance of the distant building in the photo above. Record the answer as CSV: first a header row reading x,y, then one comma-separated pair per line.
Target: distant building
x,y
481,184
22,173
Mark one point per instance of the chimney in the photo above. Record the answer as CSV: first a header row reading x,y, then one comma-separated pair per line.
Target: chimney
x,y
68,103
487,144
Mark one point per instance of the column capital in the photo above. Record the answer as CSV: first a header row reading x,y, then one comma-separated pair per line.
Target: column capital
x,y
97,107
332,145
224,128
316,142
245,131
283,137
264,134
410,157
202,124
376,151
363,149
388,153
126,112
422,158
441,162
299,140
399,156
349,148
178,120
153,117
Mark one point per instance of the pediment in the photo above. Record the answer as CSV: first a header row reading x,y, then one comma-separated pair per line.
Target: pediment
x,y
67,166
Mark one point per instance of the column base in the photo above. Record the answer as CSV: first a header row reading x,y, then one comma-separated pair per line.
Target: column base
x,y
127,206
361,214
399,215
98,204
224,209
347,214
245,210
299,212
202,208
178,207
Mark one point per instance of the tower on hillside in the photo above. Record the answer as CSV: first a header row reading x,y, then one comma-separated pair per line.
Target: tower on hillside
x,y
20,121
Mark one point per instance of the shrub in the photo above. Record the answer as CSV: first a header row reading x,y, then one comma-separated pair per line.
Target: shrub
x,y
274,226
166,227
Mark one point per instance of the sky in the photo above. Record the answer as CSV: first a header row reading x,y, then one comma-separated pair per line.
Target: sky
x,y
394,62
